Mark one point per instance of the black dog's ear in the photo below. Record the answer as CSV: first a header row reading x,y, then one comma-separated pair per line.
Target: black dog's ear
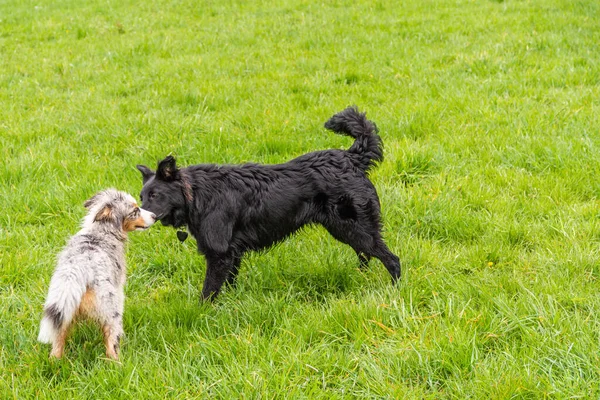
x,y
147,173
167,169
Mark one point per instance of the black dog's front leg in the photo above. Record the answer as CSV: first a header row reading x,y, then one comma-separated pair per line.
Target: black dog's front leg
x,y
218,269
233,272
221,261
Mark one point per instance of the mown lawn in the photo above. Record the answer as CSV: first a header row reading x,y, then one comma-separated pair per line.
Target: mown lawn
x,y
489,112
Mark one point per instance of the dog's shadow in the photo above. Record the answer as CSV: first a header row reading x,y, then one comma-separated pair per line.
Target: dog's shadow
x,y
313,286
335,276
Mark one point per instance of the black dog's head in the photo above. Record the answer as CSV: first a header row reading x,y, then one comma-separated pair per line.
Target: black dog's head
x,y
164,192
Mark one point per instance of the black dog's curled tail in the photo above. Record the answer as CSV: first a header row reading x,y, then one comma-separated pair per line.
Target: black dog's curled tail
x,y
368,146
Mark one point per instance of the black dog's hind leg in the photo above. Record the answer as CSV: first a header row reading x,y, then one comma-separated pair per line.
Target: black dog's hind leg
x,y
219,268
363,259
389,259
367,242
345,210
377,249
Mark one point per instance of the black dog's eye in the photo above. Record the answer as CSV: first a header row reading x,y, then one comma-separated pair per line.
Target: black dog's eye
x,y
152,195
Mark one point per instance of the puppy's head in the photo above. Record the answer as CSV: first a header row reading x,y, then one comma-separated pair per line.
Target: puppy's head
x,y
164,192
117,210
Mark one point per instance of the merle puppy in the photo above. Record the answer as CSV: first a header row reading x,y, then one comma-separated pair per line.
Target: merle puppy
x,y
231,209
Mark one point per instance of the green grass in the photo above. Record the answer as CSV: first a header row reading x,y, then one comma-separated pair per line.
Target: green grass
x,y
490,190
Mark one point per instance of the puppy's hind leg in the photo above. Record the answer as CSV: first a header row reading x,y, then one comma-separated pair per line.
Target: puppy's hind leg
x,y
110,312
58,346
112,336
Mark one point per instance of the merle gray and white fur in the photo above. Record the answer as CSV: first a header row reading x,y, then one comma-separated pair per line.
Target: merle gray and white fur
x,y
90,273
232,209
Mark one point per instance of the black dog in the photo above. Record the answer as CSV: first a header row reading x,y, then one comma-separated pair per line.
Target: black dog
x,y
232,209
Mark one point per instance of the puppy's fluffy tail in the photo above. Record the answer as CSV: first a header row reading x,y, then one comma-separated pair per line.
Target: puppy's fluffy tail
x,y
64,298
368,146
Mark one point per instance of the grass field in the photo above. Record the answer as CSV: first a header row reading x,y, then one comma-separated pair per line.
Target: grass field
x,y
489,112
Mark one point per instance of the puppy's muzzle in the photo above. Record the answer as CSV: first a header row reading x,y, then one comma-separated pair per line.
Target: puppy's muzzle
x,y
149,219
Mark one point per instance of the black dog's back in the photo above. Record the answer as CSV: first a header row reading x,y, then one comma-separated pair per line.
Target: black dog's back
x,y
233,209
271,202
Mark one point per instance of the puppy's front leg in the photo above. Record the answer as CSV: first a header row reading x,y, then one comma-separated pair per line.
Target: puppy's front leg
x,y
218,269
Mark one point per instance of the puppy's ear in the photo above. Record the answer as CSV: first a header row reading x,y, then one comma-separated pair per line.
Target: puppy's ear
x,y
90,202
167,170
105,214
147,173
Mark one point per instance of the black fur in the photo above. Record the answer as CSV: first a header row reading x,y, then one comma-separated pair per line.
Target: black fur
x,y
232,209
55,315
